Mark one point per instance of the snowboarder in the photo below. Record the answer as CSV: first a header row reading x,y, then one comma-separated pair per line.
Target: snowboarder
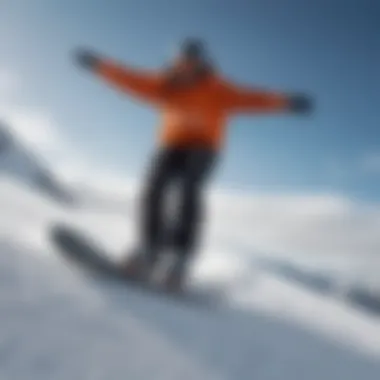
x,y
195,102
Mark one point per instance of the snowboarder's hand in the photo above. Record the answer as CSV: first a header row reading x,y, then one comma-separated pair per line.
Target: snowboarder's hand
x,y
299,103
86,58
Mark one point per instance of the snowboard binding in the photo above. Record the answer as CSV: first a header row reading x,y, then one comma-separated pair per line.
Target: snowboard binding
x,y
167,269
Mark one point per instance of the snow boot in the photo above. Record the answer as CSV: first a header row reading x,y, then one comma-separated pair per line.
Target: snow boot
x,y
176,275
138,265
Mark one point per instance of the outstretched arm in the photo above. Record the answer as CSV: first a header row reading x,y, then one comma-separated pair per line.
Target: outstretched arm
x,y
239,99
144,85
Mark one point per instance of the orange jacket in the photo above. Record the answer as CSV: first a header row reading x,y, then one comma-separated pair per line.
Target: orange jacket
x,y
195,115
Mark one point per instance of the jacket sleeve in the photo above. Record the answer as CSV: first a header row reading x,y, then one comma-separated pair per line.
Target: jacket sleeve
x,y
147,86
239,99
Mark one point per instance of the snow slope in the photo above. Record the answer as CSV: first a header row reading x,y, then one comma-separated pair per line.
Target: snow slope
x,y
23,165
56,324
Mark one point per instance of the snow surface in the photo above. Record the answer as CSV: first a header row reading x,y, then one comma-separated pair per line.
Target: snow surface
x,y
56,324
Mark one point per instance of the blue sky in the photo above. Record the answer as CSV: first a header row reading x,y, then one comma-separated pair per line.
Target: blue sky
x,y
327,48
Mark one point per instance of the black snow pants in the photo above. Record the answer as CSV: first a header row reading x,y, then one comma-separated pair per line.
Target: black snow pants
x,y
175,175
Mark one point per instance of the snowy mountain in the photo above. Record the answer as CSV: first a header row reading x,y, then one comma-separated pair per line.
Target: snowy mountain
x,y
19,162
359,295
57,324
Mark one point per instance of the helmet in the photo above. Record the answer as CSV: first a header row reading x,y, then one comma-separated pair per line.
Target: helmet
x,y
193,48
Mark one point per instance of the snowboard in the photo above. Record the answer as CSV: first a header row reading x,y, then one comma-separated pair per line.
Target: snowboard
x,y
83,253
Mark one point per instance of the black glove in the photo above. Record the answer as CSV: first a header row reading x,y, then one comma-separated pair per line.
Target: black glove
x,y
86,59
299,103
